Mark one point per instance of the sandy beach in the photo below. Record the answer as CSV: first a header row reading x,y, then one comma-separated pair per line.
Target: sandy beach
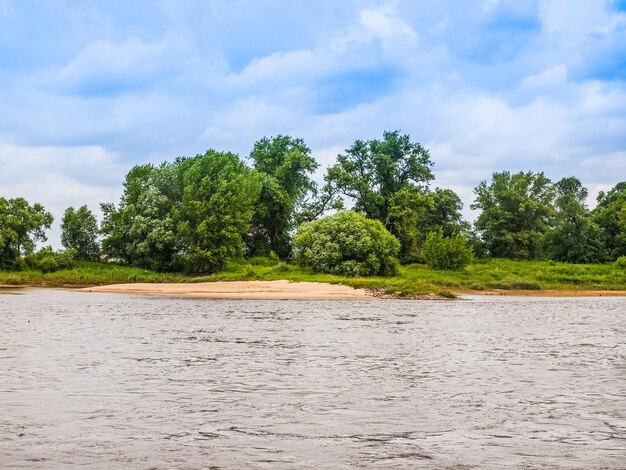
x,y
240,290
307,290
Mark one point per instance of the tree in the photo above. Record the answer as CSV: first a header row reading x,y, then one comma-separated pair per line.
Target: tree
x,y
517,211
372,172
446,252
575,238
284,164
79,231
142,230
414,213
21,225
348,244
610,215
217,206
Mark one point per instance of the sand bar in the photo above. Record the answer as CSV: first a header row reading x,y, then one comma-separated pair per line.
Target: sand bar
x,y
240,290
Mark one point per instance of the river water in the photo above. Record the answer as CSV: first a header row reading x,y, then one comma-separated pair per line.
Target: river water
x,y
120,381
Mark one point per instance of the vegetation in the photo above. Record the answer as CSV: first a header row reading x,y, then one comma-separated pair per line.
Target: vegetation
x,y
610,215
441,252
189,215
414,213
196,215
284,164
47,260
516,213
79,232
575,237
371,172
488,274
347,243
21,226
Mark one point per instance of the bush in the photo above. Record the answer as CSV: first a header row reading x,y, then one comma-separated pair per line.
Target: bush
x,y
47,260
347,244
620,262
451,253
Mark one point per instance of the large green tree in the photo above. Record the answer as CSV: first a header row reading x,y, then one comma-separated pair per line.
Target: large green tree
x,y
575,238
21,226
372,172
190,214
517,211
79,231
217,206
414,213
142,230
610,214
285,165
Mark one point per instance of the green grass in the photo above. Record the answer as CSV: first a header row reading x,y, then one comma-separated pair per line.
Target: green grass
x,y
87,274
411,280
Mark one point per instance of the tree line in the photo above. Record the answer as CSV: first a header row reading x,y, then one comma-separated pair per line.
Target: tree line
x,y
193,214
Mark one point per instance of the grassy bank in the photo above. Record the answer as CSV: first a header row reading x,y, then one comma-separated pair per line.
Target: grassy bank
x,y
415,279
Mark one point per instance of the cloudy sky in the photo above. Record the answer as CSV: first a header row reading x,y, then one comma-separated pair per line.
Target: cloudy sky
x,y
89,88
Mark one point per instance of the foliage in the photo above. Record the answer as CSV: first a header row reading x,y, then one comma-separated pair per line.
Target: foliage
x,y
217,205
284,164
47,260
517,211
190,214
575,238
79,232
414,213
372,172
610,215
446,252
142,230
347,243
21,225
621,262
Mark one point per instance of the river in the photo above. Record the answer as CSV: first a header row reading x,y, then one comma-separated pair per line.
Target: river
x,y
119,381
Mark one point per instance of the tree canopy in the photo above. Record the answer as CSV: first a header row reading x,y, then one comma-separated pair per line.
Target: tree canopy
x,y
190,214
610,215
195,213
414,213
372,172
79,231
21,226
285,165
575,237
517,211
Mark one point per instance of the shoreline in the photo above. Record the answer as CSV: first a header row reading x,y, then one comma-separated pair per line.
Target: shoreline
x,y
543,293
251,290
290,290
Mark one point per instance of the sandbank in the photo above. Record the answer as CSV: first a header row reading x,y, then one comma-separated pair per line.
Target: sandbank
x,y
240,290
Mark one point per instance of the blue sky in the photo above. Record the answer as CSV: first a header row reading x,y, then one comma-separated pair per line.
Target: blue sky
x,y
91,87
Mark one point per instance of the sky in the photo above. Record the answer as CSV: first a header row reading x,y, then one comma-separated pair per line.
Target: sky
x,y
89,88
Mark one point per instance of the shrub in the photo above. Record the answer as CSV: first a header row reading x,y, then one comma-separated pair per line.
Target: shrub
x,y
47,260
347,244
621,262
451,253
476,286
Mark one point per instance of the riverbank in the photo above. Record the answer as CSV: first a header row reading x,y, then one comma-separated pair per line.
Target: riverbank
x,y
276,290
485,277
287,290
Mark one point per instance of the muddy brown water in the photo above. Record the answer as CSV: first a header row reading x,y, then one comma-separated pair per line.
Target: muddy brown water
x,y
120,381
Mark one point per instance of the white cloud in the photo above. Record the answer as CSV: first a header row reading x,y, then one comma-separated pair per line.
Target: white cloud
x,y
385,25
552,76
60,177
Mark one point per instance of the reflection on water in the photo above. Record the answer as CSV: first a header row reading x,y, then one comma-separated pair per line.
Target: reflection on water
x,y
118,381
